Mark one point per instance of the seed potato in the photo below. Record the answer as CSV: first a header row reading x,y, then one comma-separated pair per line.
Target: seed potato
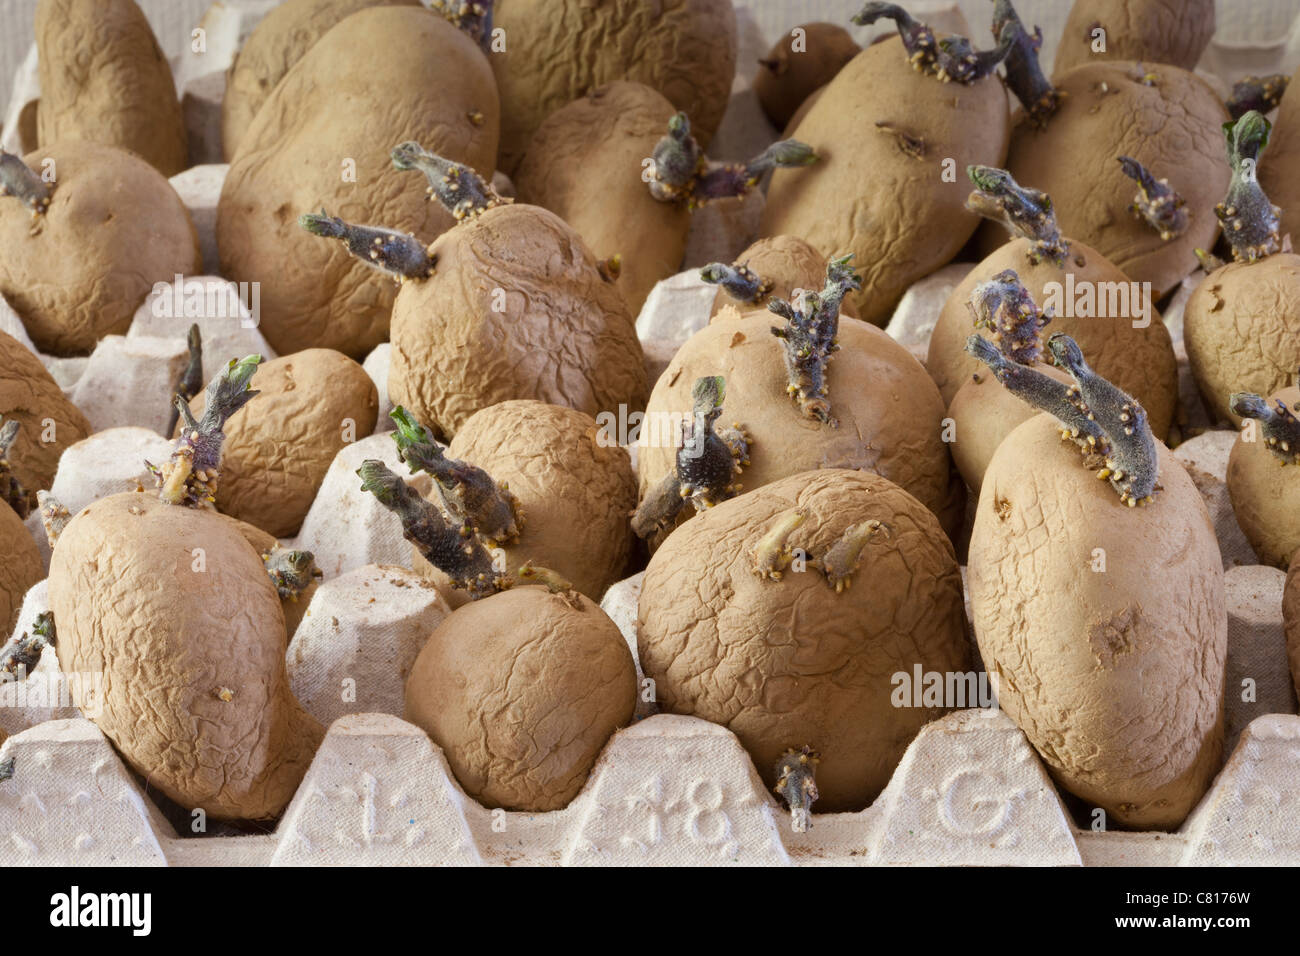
x,y
20,567
788,263
1291,619
1265,496
787,76
1153,31
30,396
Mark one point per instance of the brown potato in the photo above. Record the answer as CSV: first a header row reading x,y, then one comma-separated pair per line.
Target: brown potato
x,y
789,74
517,309
1115,675
792,662
20,567
380,77
575,486
278,449
1154,31
1242,330
1265,497
521,690
295,605
29,395
584,164
556,50
802,111
114,228
888,410
1291,619
788,263
282,38
1279,164
174,608
878,190
105,80
1172,125
1139,360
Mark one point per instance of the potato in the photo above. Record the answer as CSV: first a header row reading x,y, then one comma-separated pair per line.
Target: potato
x,y
1242,330
310,405
888,410
584,164
521,690
294,605
1153,31
883,132
1171,124
282,38
1291,620
517,309
1105,626
1279,166
114,228
803,60
49,421
788,263
20,567
574,484
105,80
1265,497
1139,360
174,607
556,50
792,662
381,76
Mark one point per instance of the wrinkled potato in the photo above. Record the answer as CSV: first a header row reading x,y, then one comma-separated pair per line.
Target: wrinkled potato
x,y
1279,165
1140,361
788,263
282,38
555,50
1153,31
174,607
889,411
1291,619
877,190
805,59
575,486
105,80
30,396
1241,327
792,662
1173,125
1266,497
517,309
379,77
20,567
584,164
1115,675
521,690
309,406
295,605
114,228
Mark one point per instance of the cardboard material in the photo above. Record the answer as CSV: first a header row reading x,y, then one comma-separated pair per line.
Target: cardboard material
x,y
1257,674
376,365
918,310
1206,460
131,381
200,190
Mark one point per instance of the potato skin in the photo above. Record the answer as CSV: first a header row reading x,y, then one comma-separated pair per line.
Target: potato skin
x,y
115,227
1266,497
105,80
564,337
294,607
788,263
286,33
787,663
279,447
20,567
1291,620
1279,164
888,410
584,164
1242,330
380,77
1116,677
521,691
559,49
1173,127
787,77
1153,31
867,196
29,395
1140,361
129,604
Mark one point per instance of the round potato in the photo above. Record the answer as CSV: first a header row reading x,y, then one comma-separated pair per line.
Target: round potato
x,y
521,690
175,609
805,59
20,567
685,50
795,662
584,164
105,80
308,407
517,309
1105,626
1152,31
1279,165
1265,497
49,421
789,264
114,228
322,139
